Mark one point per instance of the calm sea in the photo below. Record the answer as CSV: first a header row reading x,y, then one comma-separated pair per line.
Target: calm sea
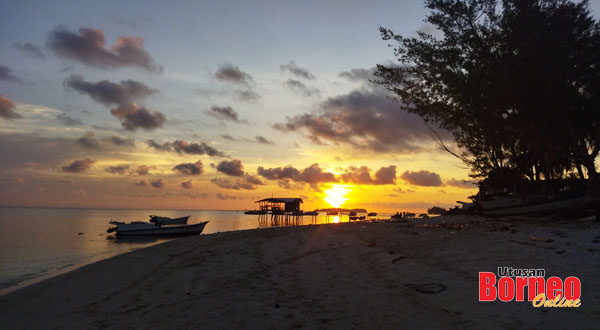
x,y
36,243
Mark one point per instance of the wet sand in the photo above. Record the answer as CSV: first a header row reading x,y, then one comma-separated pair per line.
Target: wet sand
x,y
421,273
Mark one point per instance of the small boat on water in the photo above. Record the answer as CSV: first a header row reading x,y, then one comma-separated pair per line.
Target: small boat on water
x,y
372,214
168,221
139,228
311,213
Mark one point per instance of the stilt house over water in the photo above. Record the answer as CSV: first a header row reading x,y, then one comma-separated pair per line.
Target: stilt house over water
x,y
280,204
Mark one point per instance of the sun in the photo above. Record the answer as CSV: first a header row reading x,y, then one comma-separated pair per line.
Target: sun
x,y
335,196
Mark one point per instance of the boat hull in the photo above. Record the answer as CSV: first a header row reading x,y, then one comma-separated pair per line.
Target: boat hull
x,y
515,207
183,230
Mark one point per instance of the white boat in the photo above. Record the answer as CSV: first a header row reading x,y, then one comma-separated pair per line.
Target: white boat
x,y
168,221
139,228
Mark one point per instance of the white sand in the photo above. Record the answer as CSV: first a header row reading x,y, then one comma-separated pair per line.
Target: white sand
x,y
343,276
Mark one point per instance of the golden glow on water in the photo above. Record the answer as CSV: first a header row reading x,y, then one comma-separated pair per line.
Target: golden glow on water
x,y
335,219
335,196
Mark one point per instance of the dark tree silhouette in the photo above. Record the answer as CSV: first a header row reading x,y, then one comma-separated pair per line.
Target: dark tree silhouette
x,y
516,83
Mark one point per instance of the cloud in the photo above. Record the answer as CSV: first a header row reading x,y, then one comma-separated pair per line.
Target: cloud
x,y
225,196
290,184
404,191
228,72
422,178
79,166
141,170
300,88
88,46
467,184
278,173
7,75
362,175
247,182
29,49
292,68
312,175
228,137
184,147
16,179
119,169
7,109
142,183
67,120
119,141
34,151
226,113
209,92
189,168
233,168
365,119
257,139
187,184
246,95
110,93
88,141
133,117
358,74
158,184
263,140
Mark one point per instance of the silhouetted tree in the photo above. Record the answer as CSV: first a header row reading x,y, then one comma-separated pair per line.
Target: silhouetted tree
x,y
516,83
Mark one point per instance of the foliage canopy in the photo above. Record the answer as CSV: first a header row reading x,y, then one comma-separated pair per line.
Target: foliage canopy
x,y
516,83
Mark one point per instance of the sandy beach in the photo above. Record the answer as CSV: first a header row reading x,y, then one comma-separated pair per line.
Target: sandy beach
x,y
370,275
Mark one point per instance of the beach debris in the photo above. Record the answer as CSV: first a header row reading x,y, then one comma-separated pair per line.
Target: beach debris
x,y
428,288
560,252
371,244
397,259
80,234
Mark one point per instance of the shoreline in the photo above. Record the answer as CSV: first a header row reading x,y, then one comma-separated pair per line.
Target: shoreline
x,y
341,276
71,267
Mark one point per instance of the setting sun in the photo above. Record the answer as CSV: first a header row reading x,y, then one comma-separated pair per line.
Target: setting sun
x,y
335,196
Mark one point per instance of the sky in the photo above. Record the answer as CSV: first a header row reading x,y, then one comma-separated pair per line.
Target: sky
x,y
212,105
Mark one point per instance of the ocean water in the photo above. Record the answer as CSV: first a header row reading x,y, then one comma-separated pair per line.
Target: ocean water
x,y
36,243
